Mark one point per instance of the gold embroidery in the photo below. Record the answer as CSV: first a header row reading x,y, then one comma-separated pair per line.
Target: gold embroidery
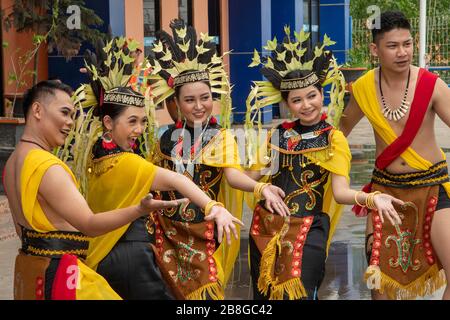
x,y
46,252
37,235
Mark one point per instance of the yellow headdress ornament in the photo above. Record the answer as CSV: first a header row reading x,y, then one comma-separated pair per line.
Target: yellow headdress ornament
x,y
109,70
292,65
292,56
180,59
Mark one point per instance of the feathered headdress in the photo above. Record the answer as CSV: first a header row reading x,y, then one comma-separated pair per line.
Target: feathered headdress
x,y
182,58
315,66
109,70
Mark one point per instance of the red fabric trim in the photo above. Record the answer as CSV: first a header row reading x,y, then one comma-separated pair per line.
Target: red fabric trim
x,y
424,91
422,95
66,279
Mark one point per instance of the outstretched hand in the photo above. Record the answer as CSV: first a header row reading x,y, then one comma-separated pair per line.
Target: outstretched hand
x,y
148,204
224,221
274,200
384,204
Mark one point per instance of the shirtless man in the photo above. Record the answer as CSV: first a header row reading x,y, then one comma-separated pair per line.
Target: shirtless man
x,y
46,204
405,144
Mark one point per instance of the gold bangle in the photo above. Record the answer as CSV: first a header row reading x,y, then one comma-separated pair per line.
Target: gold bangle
x,y
356,199
370,203
259,188
211,204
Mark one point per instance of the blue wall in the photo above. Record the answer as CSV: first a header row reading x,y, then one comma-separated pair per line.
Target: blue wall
x,y
112,14
334,21
245,36
253,22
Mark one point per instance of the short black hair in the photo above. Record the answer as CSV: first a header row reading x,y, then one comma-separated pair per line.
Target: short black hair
x,y
41,90
390,20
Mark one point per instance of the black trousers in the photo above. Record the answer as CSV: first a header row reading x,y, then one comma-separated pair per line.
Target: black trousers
x,y
313,261
130,268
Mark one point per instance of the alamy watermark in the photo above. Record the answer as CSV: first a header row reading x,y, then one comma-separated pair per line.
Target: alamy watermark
x,y
373,21
74,20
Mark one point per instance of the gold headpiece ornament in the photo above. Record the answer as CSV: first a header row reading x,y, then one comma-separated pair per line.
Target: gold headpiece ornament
x,y
318,66
110,70
180,59
289,57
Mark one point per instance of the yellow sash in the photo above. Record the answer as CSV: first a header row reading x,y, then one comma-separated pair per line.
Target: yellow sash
x,y
91,285
115,182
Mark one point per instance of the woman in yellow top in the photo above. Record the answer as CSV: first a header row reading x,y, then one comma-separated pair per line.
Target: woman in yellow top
x,y
118,177
205,152
310,160
51,217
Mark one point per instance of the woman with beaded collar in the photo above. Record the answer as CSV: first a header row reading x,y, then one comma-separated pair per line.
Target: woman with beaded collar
x,y
199,148
310,160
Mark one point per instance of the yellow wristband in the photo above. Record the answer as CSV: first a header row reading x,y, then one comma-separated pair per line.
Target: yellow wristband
x,y
259,188
211,204
356,199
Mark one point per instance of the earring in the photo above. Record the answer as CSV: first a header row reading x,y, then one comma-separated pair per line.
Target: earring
x,y
107,141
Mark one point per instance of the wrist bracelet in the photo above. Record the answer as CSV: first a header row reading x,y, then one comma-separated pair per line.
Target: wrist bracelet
x,y
211,204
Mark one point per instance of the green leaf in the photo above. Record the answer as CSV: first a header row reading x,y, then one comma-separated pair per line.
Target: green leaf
x,y
158,47
281,56
327,41
185,47
133,45
269,63
301,52
205,37
271,45
12,77
108,46
318,52
5,44
287,30
304,36
127,59
290,46
37,39
120,42
181,32
167,56
201,49
256,61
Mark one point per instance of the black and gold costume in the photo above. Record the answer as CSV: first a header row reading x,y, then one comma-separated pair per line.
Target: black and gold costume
x,y
187,244
287,255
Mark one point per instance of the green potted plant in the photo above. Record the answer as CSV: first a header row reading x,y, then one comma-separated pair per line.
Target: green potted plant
x,y
357,64
47,21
